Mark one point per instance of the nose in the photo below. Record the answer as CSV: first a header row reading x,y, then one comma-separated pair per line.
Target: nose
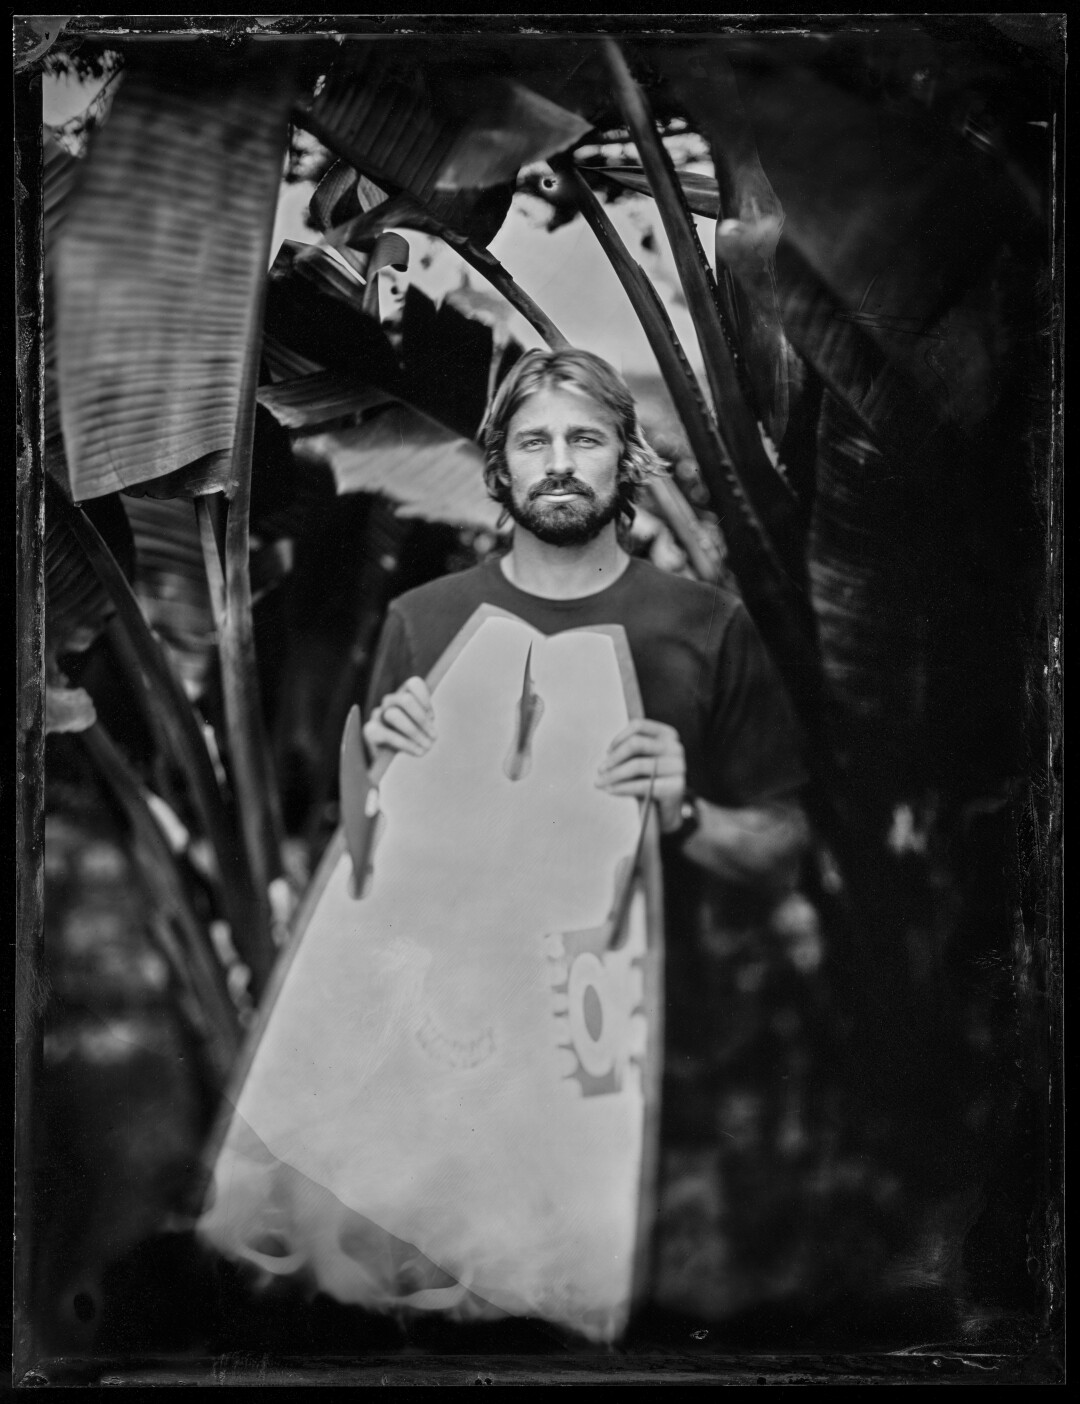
x,y
561,460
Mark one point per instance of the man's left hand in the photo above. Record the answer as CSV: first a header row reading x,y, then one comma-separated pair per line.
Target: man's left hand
x,y
640,749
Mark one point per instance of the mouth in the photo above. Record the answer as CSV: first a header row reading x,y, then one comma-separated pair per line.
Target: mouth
x,y
557,494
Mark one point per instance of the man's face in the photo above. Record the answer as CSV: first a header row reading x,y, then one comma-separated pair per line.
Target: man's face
x,y
562,457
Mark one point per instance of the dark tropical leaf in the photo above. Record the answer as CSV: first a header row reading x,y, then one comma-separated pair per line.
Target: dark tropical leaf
x,y
507,126
314,319
310,401
171,586
895,409
183,731
341,195
894,207
159,267
425,469
454,145
59,176
59,173
446,356
448,359
327,274
436,219
460,131
77,606
186,944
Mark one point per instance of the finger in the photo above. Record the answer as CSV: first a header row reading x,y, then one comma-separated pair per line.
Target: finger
x,y
418,688
417,710
642,768
396,718
644,789
658,747
381,738
642,726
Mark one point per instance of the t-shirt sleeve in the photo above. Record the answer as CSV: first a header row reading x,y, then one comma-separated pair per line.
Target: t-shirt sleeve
x,y
393,661
754,744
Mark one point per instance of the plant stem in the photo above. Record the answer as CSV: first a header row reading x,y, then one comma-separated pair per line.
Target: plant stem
x,y
257,798
677,514
215,578
490,267
737,425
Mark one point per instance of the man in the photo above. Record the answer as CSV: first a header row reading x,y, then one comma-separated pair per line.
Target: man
x,y
564,456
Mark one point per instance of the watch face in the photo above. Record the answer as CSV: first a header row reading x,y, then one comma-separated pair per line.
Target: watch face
x,y
689,818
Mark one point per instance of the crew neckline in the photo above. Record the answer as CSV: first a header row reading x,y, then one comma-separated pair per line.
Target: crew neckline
x,y
569,602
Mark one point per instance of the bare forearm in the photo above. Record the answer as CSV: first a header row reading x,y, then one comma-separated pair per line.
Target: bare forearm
x,y
760,846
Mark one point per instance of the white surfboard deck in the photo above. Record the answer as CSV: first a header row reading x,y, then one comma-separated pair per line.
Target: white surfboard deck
x,y
449,1103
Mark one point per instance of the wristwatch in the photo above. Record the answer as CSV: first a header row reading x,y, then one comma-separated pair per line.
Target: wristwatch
x,y
689,819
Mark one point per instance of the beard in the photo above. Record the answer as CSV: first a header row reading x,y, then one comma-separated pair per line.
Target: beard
x,y
574,521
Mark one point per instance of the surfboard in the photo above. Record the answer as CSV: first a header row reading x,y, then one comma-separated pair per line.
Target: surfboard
x,y
449,1102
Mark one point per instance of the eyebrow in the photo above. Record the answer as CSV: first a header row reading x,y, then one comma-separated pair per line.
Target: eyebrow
x,y
531,433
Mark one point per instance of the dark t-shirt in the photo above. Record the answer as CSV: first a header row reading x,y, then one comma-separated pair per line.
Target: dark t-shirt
x,y
700,664
702,668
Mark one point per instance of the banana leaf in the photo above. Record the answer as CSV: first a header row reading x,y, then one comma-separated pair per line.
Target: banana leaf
x,y
59,175
77,607
204,1002
183,731
158,266
311,401
315,320
379,115
425,469
446,355
421,407
446,131
894,206
171,586
888,402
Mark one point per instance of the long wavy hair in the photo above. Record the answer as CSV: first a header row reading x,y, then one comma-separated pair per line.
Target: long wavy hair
x,y
589,375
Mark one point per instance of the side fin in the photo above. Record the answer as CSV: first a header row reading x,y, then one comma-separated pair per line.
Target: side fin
x,y
359,801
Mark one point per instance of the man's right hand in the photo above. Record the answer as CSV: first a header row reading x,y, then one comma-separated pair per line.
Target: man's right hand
x,y
403,721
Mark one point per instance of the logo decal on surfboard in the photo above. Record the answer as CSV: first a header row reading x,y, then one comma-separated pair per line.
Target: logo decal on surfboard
x,y
604,993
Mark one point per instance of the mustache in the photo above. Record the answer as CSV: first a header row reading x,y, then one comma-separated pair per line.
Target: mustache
x,y
562,485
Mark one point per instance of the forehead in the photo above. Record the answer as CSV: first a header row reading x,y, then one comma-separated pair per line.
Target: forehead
x,y
560,405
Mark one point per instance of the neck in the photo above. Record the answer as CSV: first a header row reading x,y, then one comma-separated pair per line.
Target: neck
x,y
564,572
